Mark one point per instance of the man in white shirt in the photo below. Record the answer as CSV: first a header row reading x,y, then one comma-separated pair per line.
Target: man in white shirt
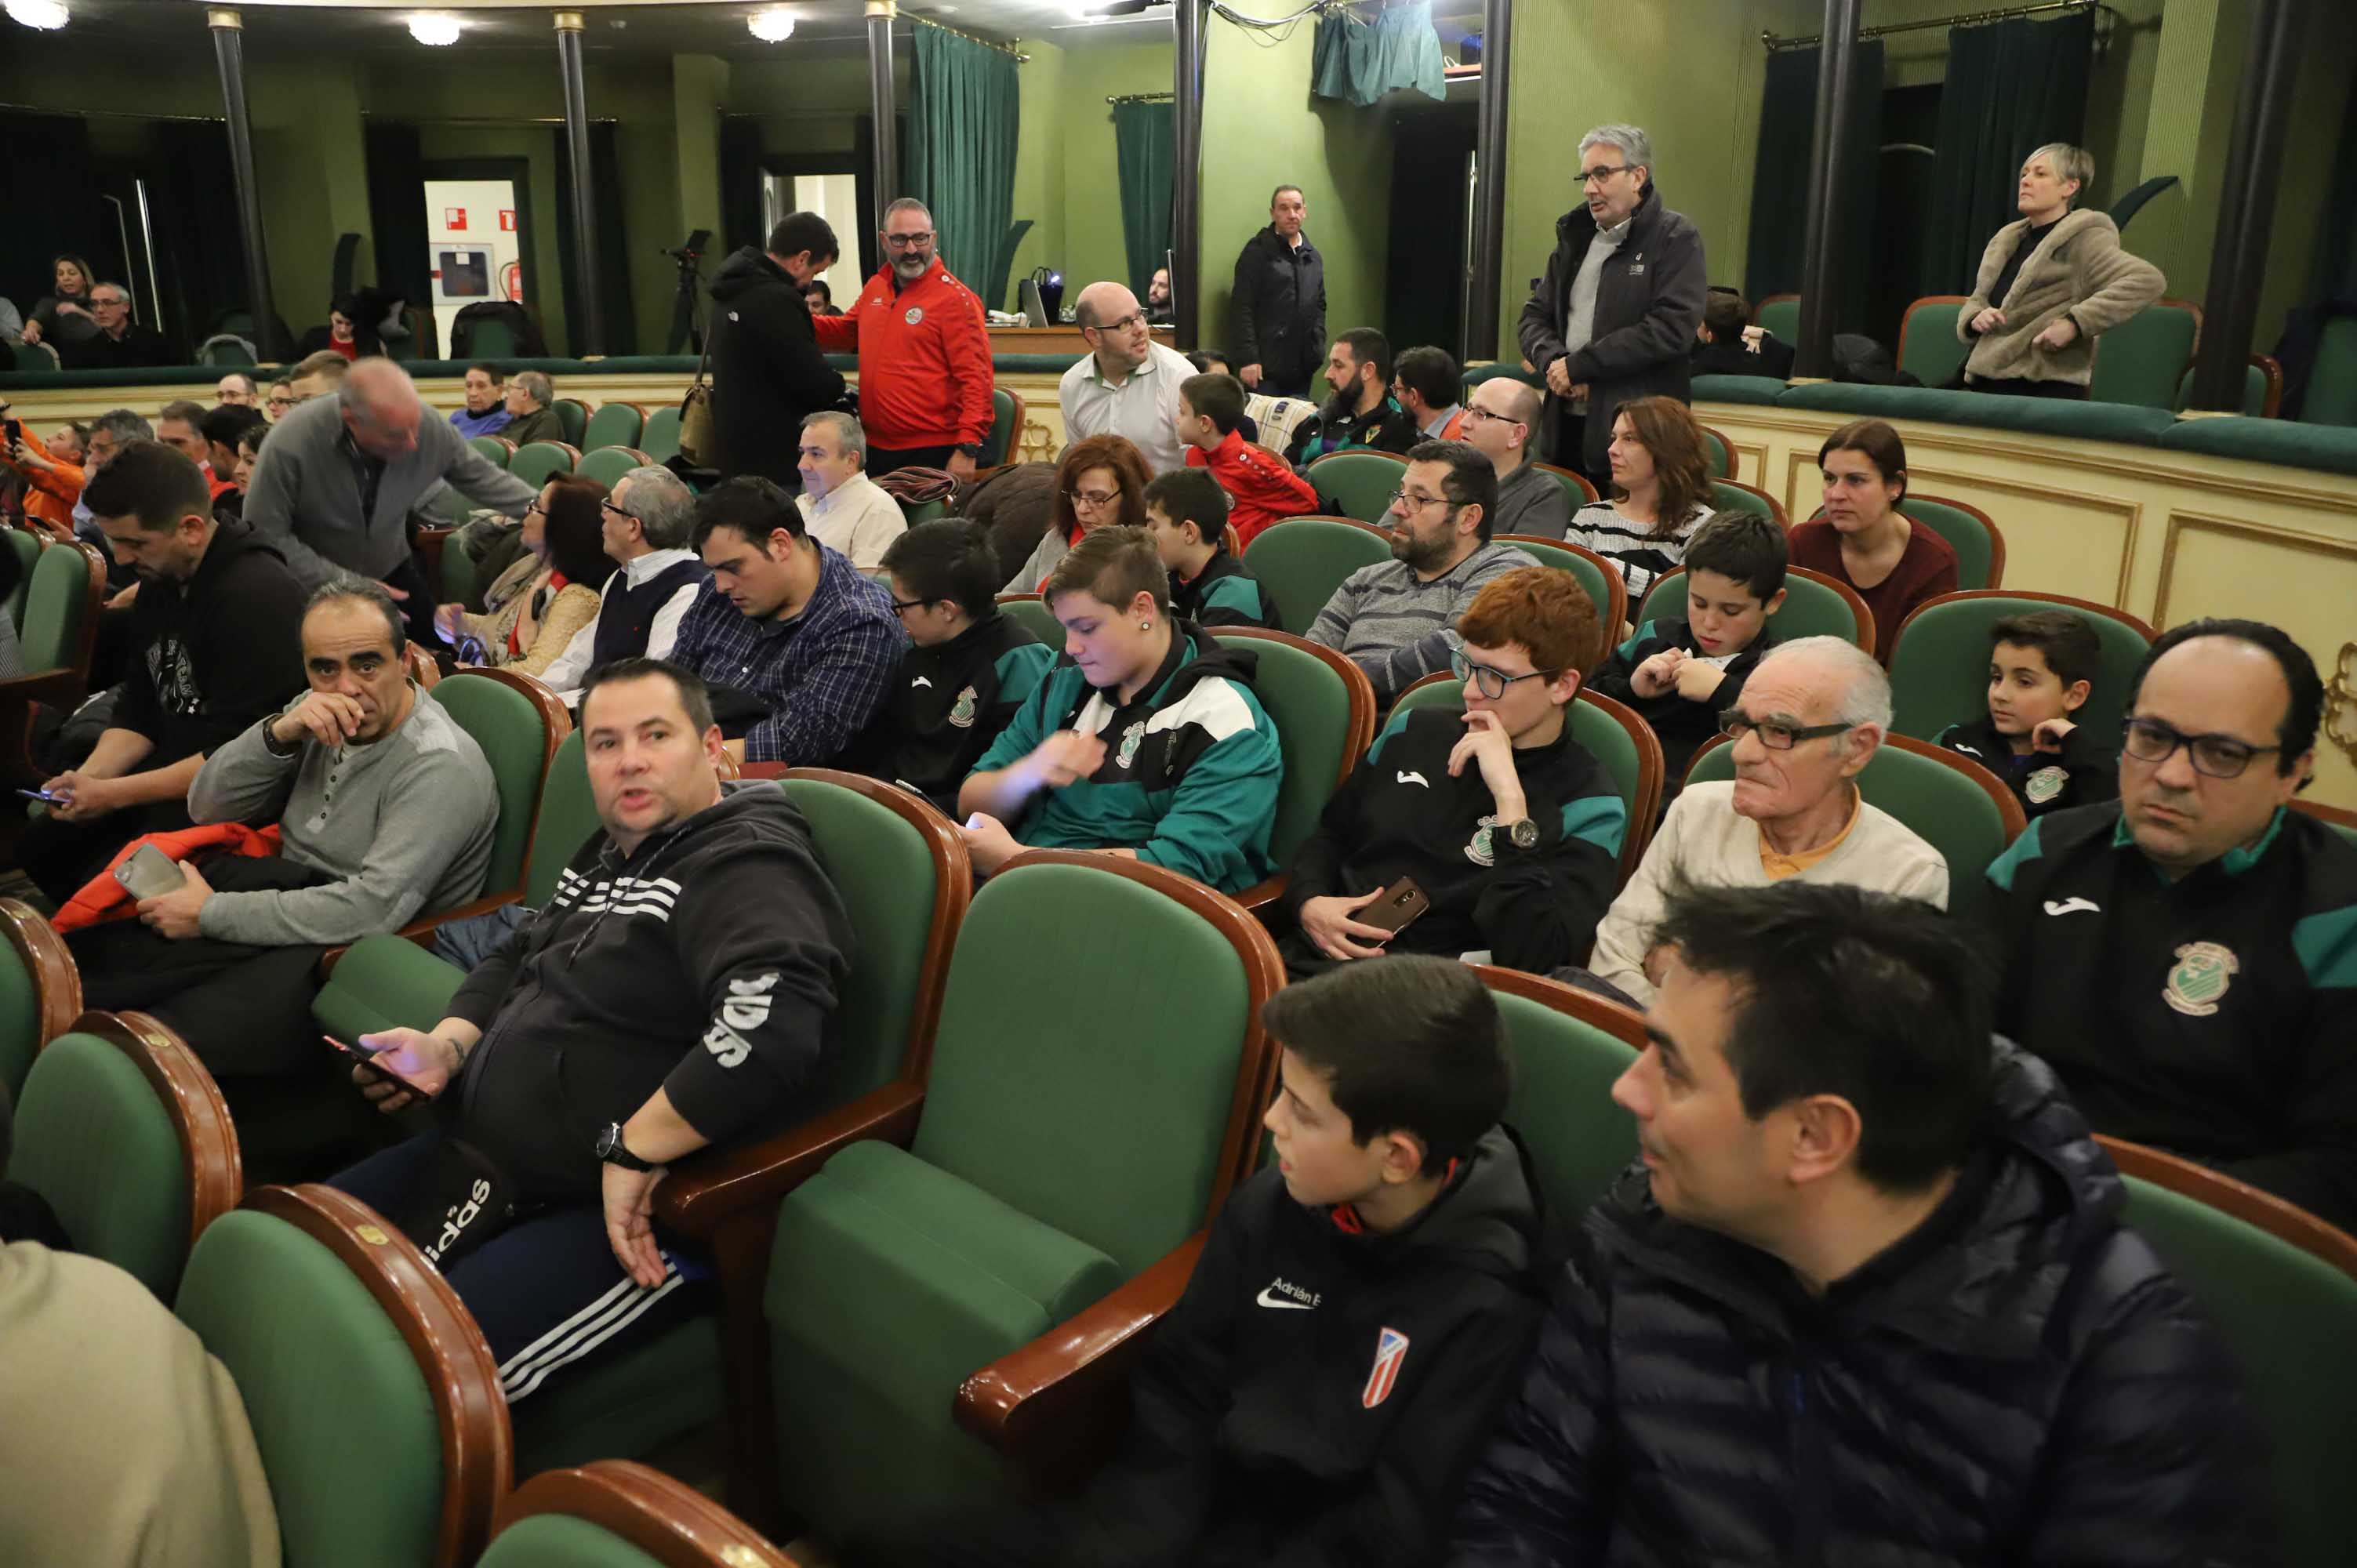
x,y
1810,717
645,526
1129,383
842,507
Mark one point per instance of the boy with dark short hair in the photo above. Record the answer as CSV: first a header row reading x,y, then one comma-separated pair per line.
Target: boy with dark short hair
x,y
1186,513
1681,674
1356,1317
2042,669
1261,487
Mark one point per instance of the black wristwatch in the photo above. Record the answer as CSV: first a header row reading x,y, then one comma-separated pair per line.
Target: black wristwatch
x,y
1524,834
971,448
611,1150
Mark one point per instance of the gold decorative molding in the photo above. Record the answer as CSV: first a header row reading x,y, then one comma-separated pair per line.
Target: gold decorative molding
x,y
1036,445
570,22
2341,702
2183,522
225,18
1757,452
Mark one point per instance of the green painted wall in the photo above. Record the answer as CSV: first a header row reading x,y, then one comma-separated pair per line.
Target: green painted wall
x,y
1093,244
1260,128
2191,114
699,87
1039,165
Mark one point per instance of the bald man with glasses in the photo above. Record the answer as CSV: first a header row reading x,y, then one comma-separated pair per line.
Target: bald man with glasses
x,y
2185,957
1502,420
1129,385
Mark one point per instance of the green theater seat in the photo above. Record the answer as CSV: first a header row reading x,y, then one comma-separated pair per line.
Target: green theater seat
x,y
614,425
1815,606
2139,360
1569,1047
1324,711
1304,559
1939,667
615,1514
1598,579
41,989
1928,348
1360,482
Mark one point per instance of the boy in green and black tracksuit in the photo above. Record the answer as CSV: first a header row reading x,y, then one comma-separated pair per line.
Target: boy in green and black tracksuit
x,y
949,702
1401,814
1191,772
2083,772
1683,724
2216,1016
1187,514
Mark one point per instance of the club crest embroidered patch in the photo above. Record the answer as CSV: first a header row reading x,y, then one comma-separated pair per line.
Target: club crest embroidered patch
x,y
2044,785
1480,850
1131,739
915,314
2203,972
1391,1351
962,711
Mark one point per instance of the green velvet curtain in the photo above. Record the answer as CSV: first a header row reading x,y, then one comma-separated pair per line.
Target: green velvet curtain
x,y
963,116
2011,88
1780,180
1358,61
620,310
1144,134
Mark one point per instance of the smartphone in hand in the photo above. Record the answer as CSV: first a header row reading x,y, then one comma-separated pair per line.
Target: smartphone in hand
x,y
149,873
1397,909
368,1061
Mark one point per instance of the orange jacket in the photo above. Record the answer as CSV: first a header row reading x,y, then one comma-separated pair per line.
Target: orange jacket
x,y
50,493
1262,487
104,898
925,361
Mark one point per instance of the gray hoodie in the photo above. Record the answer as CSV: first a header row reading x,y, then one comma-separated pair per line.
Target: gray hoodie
x,y
402,824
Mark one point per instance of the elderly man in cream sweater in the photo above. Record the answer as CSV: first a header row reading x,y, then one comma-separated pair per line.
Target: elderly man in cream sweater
x,y
1810,719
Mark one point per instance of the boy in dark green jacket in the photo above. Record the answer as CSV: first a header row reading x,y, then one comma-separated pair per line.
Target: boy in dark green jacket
x,y
1186,513
1149,744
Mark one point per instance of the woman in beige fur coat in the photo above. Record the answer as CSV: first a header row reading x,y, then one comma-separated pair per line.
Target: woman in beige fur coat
x,y
2049,284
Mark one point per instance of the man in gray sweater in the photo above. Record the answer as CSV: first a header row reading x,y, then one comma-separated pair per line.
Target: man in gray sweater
x,y
334,484
385,808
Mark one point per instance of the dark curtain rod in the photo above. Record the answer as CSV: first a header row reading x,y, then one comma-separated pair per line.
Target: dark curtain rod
x,y
1968,19
1140,98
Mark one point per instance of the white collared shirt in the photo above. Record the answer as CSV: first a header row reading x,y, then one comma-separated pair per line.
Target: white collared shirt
x,y
857,519
569,668
1145,408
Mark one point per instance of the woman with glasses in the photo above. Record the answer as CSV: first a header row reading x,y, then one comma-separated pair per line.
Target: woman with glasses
x,y
1660,493
1100,483
534,608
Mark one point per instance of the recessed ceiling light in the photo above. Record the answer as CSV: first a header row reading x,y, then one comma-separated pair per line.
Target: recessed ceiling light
x,y
771,27
44,14
435,27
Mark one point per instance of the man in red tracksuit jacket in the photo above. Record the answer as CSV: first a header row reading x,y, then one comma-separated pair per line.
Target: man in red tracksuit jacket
x,y
924,354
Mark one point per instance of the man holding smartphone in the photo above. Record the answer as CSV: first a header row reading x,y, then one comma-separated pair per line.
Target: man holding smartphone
x,y
677,991
1490,830
208,656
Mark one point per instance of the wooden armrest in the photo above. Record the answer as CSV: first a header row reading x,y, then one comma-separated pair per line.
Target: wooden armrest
x,y
421,930
699,1197
760,770
1260,897
1063,1394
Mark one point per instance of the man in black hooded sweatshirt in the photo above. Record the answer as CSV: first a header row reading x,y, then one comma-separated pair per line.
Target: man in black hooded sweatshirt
x,y
768,371
1357,1315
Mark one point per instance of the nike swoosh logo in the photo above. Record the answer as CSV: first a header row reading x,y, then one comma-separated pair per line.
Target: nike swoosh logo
x,y
1268,1300
1416,778
920,681
2073,906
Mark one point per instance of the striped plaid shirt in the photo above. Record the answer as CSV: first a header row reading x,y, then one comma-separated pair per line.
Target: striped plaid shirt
x,y
823,672
1399,629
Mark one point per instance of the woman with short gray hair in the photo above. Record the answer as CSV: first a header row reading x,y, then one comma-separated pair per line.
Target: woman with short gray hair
x,y
2048,283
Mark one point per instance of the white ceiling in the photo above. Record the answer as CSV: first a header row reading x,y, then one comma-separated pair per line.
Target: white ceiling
x,y
648,27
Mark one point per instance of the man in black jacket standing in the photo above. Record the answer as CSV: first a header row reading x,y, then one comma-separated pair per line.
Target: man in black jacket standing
x,y
1280,303
768,371
209,656
677,990
1615,317
1869,1301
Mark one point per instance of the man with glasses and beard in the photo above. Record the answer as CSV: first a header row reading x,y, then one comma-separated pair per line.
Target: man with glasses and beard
x,y
1396,619
2186,955
924,353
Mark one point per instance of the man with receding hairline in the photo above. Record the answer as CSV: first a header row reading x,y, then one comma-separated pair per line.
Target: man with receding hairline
x,y
333,488
1128,385
1502,419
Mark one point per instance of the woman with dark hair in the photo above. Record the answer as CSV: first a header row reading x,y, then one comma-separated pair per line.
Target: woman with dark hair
x,y
551,592
1101,483
1660,492
347,332
62,317
1863,539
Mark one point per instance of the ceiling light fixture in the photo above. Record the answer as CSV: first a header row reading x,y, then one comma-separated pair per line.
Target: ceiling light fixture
x,y
44,14
434,28
771,27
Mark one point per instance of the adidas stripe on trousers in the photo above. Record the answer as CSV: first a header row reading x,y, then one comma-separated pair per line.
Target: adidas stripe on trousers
x,y
547,1290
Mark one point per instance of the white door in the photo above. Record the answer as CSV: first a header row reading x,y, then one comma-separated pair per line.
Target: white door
x,y
474,252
